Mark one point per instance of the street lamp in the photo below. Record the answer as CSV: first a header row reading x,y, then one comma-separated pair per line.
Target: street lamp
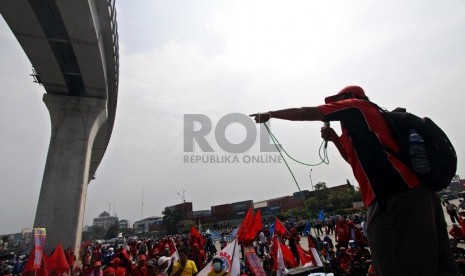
x,y
311,181
182,196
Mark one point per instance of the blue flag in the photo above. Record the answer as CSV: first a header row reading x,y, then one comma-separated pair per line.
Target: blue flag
x,y
321,215
271,230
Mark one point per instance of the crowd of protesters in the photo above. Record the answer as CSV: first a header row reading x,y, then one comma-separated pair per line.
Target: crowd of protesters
x,y
346,255
340,240
149,256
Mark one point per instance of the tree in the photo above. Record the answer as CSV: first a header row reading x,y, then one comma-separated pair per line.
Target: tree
x,y
4,241
171,218
332,200
184,226
94,233
320,186
112,232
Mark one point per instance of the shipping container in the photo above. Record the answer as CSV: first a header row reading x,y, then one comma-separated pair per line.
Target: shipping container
x,y
242,205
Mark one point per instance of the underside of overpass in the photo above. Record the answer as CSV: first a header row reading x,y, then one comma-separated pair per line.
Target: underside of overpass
x,y
73,48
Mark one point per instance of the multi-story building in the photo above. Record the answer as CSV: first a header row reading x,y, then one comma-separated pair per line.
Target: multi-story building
x,y
123,224
104,220
150,224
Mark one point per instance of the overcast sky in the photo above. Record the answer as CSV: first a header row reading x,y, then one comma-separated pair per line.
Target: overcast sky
x,y
220,57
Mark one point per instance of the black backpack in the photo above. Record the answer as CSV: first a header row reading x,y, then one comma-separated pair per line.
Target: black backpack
x,y
441,154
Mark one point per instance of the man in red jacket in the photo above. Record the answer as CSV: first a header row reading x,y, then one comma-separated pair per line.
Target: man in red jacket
x,y
403,215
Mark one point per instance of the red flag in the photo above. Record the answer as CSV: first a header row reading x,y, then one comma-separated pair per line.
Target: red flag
x,y
279,227
58,257
46,265
247,222
288,257
251,232
305,257
258,221
196,237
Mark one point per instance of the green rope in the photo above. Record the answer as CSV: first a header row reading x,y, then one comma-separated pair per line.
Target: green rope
x,y
324,159
323,156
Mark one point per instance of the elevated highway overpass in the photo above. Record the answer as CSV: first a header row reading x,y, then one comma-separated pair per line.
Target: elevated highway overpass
x,y
73,49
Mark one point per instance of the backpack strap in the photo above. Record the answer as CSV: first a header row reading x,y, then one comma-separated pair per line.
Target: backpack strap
x,y
395,131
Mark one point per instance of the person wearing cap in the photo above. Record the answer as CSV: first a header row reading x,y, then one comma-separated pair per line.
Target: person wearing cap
x,y
217,267
115,263
141,268
97,269
294,239
352,248
391,191
163,265
154,253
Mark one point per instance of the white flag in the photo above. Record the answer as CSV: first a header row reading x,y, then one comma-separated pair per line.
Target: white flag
x,y
316,256
282,270
231,260
175,256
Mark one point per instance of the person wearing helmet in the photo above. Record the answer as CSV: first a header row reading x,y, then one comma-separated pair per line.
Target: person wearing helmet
x,y
391,191
217,267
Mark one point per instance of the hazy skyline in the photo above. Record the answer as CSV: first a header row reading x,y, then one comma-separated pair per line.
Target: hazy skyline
x,y
220,57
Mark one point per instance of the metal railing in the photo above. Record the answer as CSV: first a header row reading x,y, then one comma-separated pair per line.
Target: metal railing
x,y
114,29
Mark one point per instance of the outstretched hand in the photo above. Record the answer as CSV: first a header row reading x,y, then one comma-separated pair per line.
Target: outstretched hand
x,y
261,117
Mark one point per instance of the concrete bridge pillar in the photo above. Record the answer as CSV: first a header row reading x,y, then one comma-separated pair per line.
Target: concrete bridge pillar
x,y
75,123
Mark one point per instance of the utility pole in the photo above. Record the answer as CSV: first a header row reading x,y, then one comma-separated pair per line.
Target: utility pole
x,y
311,181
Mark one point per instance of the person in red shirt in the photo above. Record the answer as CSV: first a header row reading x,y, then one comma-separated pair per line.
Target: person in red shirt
x,y
343,258
97,269
403,215
70,257
119,271
356,234
141,268
342,232
198,256
294,240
